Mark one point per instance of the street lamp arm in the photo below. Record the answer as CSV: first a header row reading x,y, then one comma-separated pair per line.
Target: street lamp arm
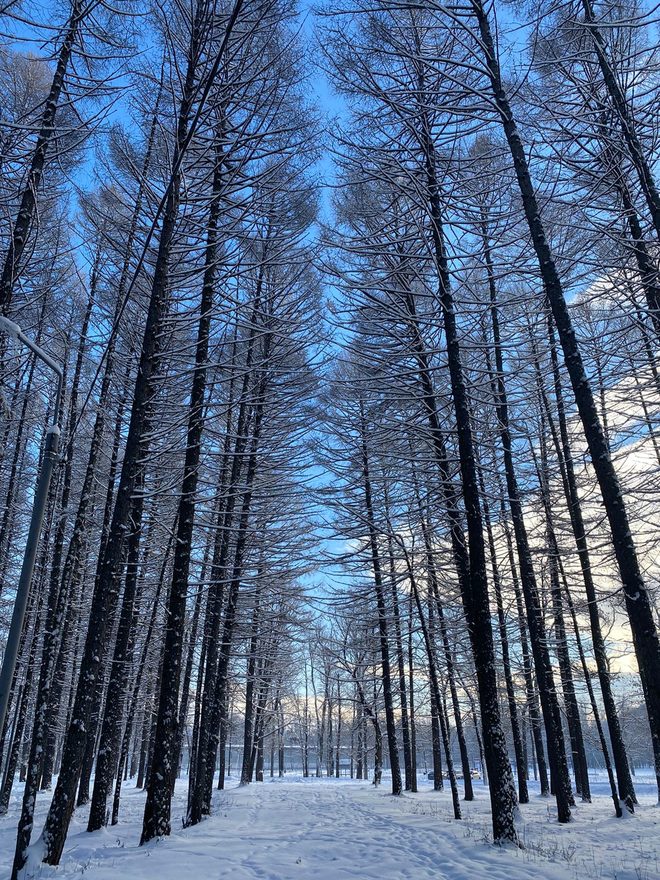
x,y
11,328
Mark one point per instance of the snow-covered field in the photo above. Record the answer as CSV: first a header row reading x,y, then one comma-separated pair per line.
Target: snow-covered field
x,y
329,829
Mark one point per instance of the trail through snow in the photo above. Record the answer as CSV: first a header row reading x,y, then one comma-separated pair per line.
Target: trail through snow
x,y
328,829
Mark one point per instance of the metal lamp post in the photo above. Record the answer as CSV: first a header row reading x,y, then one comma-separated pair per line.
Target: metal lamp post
x,y
38,510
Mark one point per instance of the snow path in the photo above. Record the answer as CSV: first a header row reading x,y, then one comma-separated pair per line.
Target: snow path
x,y
339,829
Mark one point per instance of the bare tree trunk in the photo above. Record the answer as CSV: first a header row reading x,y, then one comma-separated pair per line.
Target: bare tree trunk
x,y
160,786
503,801
58,545
542,664
249,726
378,735
214,708
449,660
638,604
592,698
405,726
481,636
187,675
532,704
232,462
435,685
28,207
411,696
624,113
648,270
382,613
569,481
144,653
521,763
22,701
106,756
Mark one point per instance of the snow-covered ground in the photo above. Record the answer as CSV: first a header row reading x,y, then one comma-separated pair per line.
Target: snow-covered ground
x,y
328,829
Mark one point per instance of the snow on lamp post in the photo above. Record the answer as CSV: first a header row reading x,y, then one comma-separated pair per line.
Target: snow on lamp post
x,y
36,521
